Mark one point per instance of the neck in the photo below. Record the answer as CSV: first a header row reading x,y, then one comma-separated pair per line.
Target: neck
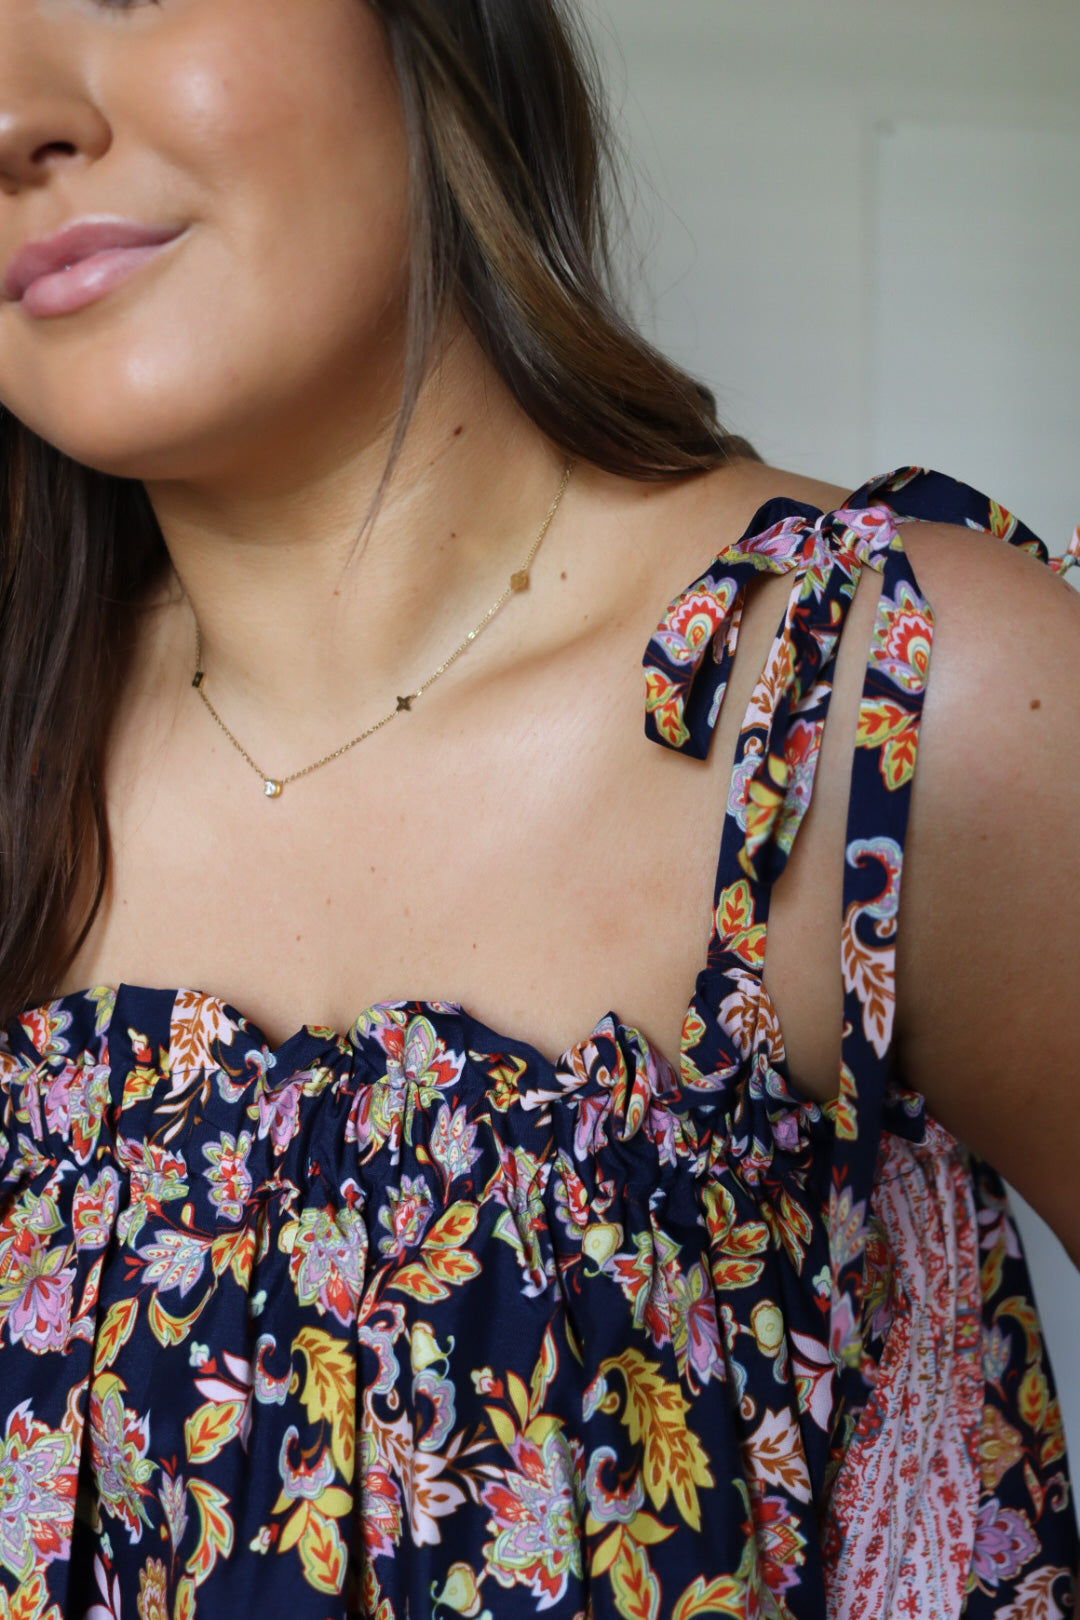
x,y
306,637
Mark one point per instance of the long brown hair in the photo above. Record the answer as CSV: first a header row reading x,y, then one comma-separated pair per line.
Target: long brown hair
x,y
509,149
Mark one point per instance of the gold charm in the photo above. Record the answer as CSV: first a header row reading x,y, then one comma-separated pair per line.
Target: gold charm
x,y
519,581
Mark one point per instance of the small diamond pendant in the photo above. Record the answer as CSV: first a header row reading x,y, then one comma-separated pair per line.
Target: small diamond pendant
x,y
272,789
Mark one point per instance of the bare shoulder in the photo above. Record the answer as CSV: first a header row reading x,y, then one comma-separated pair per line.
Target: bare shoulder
x,y
988,949
675,529
1002,708
726,501
985,582
988,945
1006,651
755,482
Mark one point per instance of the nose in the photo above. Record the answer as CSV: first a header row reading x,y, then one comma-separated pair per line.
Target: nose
x,y
47,117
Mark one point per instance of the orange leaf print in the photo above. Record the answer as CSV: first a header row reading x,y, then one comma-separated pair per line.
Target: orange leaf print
x,y
138,1085
990,1271
634,1586
330,1392
663,702
727,1594
1002,522
322,1553
745,1011
210,1428
879,720
28,1602
215,1529
1035,1598
897,762
843,1113
655,1414
184,1607
790,1224
1034,1397
731,1241
1022,1312
235,1249
735,924
693,1027
774,1454
749,1237
168,1329
442,1260
198,1023
452,1228
416,1281
735,911
544,1371
735,1273
1053,1446
777,675
763,806
726,1231
452,1265
115,1332
658,688
869,971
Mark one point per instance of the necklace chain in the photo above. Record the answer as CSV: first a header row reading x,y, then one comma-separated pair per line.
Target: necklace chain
x,y
519,581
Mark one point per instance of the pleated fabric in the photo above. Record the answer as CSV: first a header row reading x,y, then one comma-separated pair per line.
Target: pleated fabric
x,y
411,1321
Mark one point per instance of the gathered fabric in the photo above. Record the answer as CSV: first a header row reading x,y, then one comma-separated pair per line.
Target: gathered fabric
x,y
410,1320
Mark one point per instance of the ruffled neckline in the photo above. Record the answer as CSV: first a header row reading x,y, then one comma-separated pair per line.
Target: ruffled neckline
x,y
310,1041
47,1024
781,528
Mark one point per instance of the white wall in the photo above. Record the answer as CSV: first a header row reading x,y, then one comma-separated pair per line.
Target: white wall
x,y
861,225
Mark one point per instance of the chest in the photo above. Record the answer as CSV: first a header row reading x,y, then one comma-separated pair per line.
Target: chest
x,y
521,849
513,851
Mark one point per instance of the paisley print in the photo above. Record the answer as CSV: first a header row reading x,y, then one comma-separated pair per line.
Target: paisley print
x,y
410,1321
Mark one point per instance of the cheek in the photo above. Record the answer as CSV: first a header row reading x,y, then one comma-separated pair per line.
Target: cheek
x,y
281,142
296,141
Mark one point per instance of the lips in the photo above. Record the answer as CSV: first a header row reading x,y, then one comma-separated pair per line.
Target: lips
x,y
76,242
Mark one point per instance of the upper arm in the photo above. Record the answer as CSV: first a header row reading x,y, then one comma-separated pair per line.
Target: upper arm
x,y
988,942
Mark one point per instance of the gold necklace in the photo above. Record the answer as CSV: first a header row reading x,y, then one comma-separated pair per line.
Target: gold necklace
x,y
519,581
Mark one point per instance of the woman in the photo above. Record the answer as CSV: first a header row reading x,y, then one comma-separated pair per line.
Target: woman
x,y
309,1311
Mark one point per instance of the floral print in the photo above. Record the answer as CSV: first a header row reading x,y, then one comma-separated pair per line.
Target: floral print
x,y
1004,1542
38,1471
409,1320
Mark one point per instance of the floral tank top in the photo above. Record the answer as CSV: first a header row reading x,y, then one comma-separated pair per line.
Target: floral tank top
x,y
411,1321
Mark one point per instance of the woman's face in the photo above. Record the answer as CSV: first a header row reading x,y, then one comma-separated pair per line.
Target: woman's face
x,y
271,132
